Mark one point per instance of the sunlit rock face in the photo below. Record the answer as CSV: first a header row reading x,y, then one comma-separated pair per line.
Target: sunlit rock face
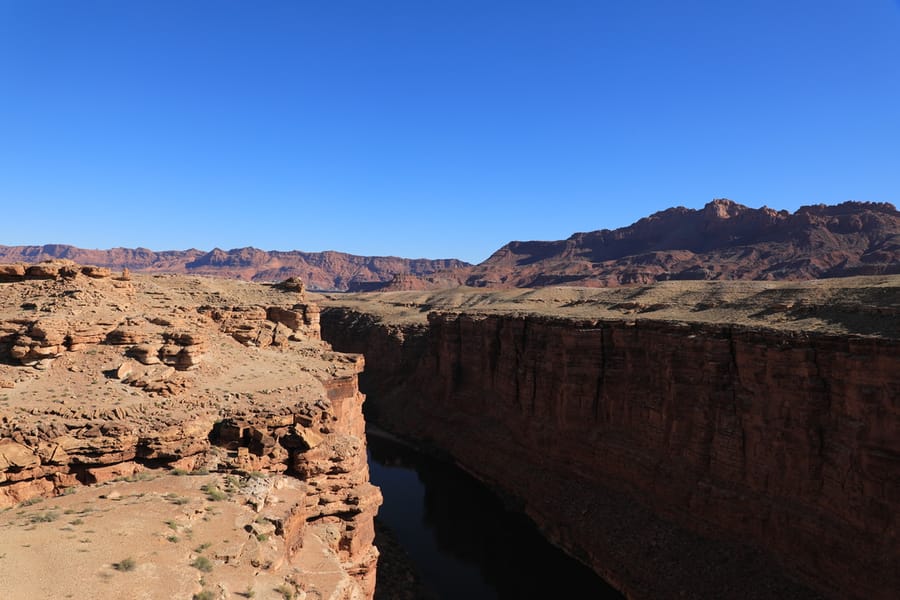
x,y
121,380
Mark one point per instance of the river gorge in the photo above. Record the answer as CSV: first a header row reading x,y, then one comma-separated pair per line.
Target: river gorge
x,y
708,455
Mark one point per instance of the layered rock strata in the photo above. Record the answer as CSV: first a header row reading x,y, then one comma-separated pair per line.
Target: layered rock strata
x,y
104,378
675,456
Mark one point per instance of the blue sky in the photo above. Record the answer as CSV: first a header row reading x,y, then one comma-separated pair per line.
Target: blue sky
x,y
427,128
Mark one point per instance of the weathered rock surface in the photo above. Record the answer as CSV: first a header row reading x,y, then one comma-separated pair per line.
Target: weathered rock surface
x,y
763,422
107,378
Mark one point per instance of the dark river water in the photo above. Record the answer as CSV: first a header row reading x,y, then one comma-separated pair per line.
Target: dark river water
x,y
462,541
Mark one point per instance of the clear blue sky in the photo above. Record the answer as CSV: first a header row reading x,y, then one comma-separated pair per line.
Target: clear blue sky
x,y
431,128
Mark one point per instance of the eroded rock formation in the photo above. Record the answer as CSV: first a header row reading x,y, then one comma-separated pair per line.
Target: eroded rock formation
x,y
752,419
106,377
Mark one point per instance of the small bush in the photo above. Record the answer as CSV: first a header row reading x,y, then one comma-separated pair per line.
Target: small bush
x,y
46,517
286,591
125,565
201,563
204,595
213,493
177,500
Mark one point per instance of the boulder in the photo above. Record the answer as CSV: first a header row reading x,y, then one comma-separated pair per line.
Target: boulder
x,y
96,272
16,456
147,354
11,272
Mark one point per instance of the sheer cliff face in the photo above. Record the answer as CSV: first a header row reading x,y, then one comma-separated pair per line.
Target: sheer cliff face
x,y
785,441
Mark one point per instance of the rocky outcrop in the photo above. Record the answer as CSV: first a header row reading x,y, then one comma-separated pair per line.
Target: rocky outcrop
x,y
626,439
105,378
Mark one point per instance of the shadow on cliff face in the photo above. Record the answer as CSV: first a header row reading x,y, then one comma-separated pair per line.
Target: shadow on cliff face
x,y
462,540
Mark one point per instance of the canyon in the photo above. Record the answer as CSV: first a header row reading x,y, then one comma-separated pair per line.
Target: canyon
x,y
684,439
195,437
177,437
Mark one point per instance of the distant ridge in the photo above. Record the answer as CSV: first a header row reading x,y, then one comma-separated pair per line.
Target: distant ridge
x,y
319,270
722,240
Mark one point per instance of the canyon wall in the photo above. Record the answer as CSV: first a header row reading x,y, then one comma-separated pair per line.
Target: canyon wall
x,y
690,459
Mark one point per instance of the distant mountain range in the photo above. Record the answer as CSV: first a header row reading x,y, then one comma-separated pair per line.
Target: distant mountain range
x,y
319,270
723,240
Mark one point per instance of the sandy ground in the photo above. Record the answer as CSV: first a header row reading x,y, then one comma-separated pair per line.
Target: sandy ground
x,y
155,536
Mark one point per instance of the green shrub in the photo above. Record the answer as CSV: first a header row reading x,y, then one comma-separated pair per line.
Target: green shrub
x,y
125,565
45,517
202,563
213,493
286,591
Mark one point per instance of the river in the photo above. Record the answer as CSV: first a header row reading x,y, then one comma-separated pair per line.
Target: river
x,y
462,541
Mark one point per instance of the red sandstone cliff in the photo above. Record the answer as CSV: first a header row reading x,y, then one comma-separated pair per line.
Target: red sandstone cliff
x,y
783,441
